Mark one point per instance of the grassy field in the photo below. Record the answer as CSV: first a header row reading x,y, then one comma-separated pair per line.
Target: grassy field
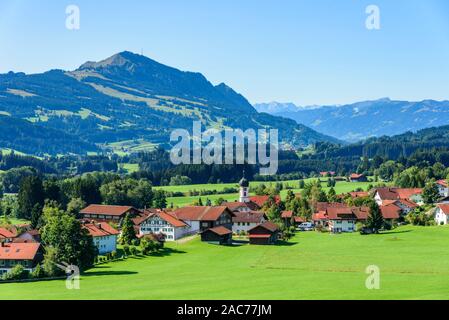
x,y
341,187
412,260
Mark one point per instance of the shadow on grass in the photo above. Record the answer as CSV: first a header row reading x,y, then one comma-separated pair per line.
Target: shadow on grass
x,y
281,243
395,232
166,252
109,273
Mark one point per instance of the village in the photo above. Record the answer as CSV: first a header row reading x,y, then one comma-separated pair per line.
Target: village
x,y
245,221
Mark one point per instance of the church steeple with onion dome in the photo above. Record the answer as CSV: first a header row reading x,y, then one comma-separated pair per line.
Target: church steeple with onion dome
x,y
244,189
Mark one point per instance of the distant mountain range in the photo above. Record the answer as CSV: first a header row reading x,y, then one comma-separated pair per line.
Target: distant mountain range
x,y
361,120
127,97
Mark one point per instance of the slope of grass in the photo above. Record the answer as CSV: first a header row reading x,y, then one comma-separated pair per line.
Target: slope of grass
x,y
412,260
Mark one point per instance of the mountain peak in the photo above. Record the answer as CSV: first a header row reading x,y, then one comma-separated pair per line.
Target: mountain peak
x,y
120,60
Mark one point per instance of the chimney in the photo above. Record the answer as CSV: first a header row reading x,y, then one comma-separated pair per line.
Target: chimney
x,y
99,226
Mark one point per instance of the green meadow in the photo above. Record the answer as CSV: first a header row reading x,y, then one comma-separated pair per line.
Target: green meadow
x,y
341,187
413,264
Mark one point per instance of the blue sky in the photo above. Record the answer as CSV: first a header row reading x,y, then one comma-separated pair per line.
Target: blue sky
x,y
306,52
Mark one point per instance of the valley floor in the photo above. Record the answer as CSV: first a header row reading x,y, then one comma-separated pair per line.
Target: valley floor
x,y
413,264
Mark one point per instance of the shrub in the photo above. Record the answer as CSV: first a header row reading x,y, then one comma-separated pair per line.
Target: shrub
x,y
16,273
134,251
38,272
126,250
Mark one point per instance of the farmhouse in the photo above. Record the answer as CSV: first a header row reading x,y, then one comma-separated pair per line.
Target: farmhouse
x,y
338,217
355,177
390,212
104,236
160,222
26,254
443,188
405,205
203,218
244,221
409,194
241,206
264,234
219,235
261,200
442,213
107,213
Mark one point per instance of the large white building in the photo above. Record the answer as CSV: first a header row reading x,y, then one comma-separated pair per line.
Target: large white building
x,y
104,236
161,222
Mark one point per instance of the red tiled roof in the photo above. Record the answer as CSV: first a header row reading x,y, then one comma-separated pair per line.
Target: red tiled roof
x,y
361,213
397,193
322,206
320,216
7,234
167,217
250,217
444,207
287,214
442,183
221,231
261,200
338,211
390,211
235,205
407,203
299,219
201,213
356,176
101,229
107,210
268,225
19,251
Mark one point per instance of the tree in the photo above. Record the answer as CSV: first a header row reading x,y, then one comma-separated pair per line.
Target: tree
x,y
38,272
72,243
332,195
375,219
160,200
52,190
50,262
179,180
290,196
128,232
31,193
75,206
430,193
219,201
36,216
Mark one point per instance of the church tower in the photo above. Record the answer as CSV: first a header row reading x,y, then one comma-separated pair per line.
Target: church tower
x,y
244,189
